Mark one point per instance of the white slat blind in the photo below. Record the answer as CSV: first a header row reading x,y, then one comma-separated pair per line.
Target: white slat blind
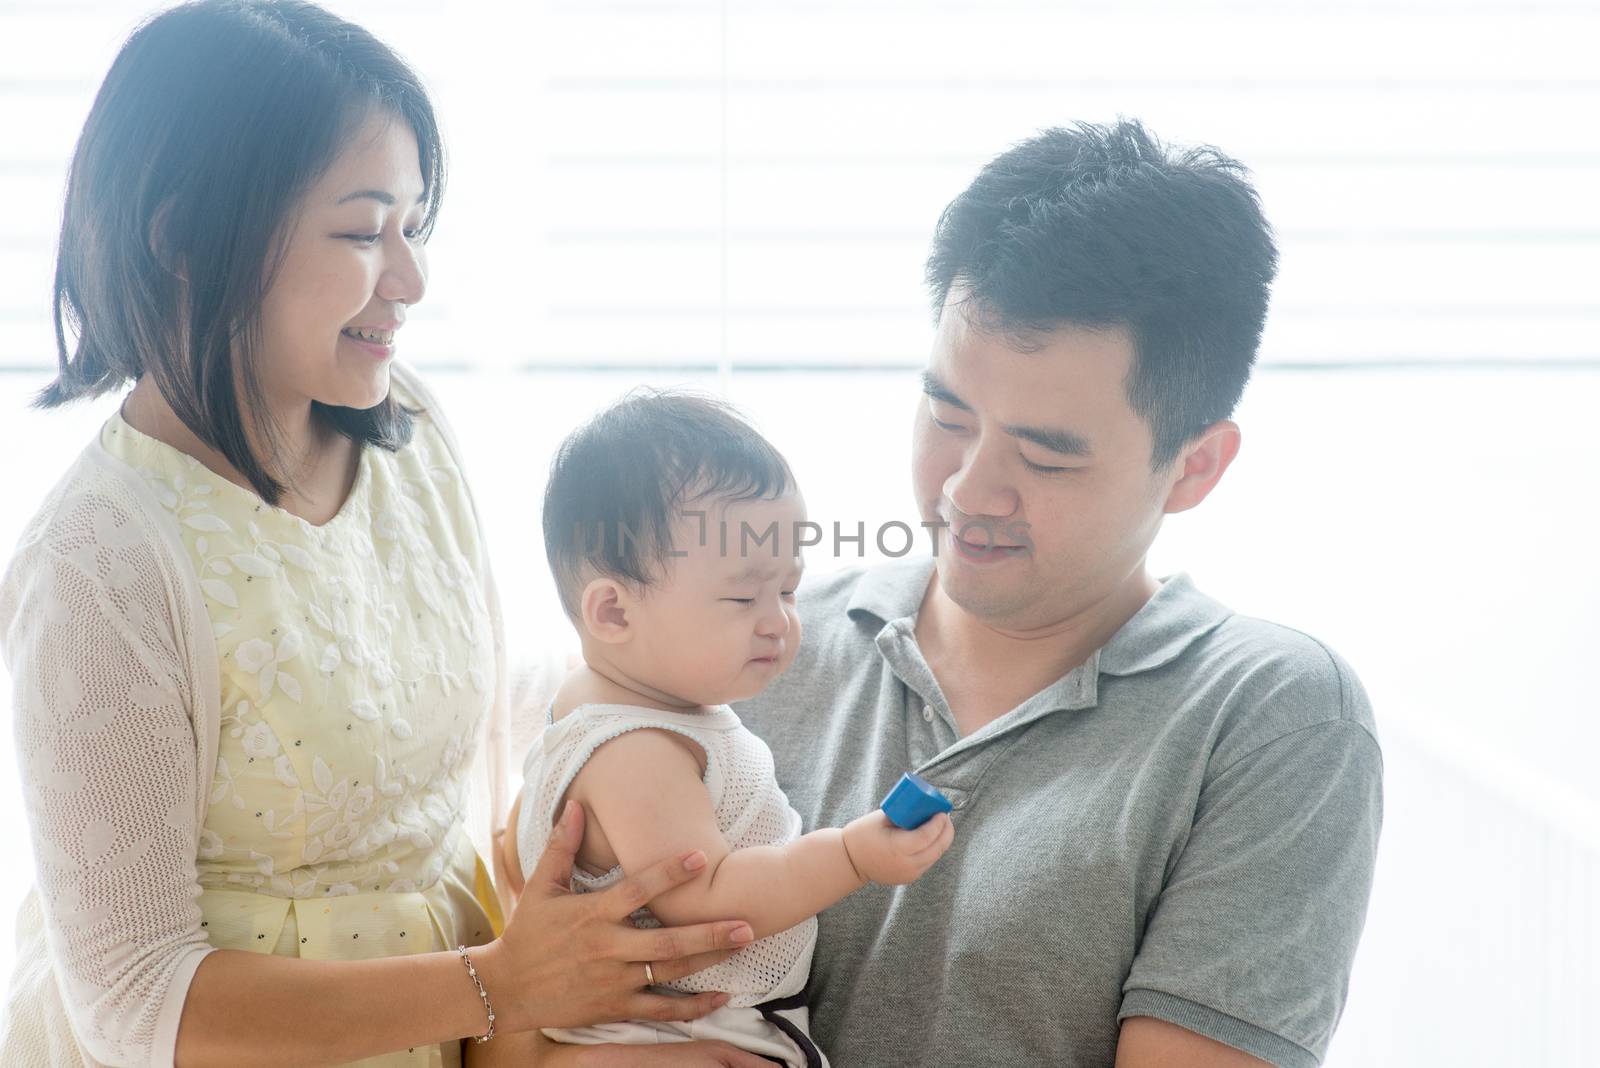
x,y
754,183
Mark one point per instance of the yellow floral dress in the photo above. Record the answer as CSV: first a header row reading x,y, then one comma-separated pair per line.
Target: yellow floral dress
x,y
356,665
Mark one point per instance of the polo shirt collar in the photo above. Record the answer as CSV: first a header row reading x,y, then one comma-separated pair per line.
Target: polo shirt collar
x,y
1164,626
893,589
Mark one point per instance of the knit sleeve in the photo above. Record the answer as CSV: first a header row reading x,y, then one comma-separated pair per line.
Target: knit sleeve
x,y
95,643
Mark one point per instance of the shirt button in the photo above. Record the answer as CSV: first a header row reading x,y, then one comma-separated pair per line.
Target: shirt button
x,y
927,713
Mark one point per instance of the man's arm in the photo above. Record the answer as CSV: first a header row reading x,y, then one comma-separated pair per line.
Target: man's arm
x,y
1252,938
1146,1042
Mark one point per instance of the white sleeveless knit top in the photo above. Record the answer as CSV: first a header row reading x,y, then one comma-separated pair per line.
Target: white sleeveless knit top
x,y
751,811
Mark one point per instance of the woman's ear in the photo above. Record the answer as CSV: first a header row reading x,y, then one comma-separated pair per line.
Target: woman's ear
x,y
605,605
159,239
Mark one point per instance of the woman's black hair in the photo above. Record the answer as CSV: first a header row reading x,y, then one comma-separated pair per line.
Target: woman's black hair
x,y
1104,226
215,119
619,481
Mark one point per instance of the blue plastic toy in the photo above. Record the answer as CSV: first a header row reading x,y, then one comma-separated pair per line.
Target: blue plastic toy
x,y
913,802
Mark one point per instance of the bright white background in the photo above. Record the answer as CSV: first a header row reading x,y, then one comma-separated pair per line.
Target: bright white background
x,y
740,196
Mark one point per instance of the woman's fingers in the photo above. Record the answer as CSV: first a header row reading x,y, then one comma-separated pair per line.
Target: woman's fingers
x,y
670,971
553,874
576,960
637,891
673,943
726,1056
662,1008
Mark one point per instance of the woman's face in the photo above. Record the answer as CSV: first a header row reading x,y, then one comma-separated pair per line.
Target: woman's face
x,y
351,268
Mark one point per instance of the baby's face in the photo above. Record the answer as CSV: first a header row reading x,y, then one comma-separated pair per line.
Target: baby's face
x,y
722,623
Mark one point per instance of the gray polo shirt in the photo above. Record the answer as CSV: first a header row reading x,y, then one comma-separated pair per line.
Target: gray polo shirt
x,y
1183,827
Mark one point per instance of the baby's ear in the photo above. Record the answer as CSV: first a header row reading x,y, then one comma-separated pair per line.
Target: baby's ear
x,y
605,605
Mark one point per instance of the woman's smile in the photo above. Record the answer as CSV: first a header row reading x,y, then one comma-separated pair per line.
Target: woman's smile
x,y
378,343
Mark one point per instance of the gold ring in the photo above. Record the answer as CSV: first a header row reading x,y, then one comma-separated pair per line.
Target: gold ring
x,y
649,975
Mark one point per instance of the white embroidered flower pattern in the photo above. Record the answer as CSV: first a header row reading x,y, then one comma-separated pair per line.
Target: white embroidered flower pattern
x,y
259,741
355,667
253,655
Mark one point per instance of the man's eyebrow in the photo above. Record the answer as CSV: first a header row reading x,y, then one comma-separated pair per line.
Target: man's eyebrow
x,y
1065,442
386,199
940,392
1056,439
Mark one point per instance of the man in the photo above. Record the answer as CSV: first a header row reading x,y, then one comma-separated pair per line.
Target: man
x,y
1167,813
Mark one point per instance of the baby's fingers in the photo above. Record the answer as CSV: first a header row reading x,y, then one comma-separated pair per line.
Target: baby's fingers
x,y
944,832
920,838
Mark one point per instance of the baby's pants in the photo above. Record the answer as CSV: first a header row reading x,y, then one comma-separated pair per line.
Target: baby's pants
x,y
778,1030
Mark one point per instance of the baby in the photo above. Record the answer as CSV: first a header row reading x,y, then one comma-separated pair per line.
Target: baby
x,y
671,530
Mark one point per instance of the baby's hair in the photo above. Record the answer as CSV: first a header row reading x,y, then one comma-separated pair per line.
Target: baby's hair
x,y
619,481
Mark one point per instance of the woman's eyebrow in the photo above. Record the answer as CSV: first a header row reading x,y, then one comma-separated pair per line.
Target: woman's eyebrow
x,y
386,199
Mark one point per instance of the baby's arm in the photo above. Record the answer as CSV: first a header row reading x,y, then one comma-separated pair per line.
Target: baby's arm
x,y
643,792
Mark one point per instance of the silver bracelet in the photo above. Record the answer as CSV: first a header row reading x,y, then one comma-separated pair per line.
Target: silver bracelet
x,y
482,993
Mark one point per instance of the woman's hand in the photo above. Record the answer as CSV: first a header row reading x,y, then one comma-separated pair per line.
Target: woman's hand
x,y
571,960
532,1050
668,1055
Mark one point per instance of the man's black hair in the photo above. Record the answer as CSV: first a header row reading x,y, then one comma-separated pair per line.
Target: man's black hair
x,y
1103,226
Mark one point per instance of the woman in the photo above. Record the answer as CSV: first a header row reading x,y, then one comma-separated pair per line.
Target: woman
x,y
253,635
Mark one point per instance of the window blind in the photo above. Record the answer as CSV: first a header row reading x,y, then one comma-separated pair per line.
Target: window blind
x,y
753,184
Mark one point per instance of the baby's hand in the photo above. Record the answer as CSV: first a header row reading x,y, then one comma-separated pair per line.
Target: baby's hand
x,y
883,853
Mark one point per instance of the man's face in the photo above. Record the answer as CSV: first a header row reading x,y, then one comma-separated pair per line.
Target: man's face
x,y
1037,449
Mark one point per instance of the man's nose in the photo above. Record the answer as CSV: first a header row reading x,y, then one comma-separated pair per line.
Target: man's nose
x,y
979,488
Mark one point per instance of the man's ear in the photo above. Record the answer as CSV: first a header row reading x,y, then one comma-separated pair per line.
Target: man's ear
x,y
604,606
1201,465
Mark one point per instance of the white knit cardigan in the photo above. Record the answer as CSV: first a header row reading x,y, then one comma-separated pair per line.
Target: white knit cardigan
x,y
116,703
